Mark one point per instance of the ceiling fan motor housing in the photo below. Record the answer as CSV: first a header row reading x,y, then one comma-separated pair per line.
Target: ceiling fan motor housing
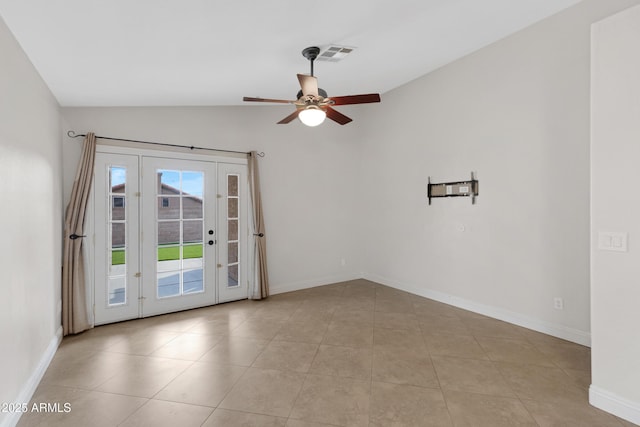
x,y
321,92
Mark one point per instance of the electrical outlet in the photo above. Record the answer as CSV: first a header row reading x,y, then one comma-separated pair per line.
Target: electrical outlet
x,y
343,262
558,303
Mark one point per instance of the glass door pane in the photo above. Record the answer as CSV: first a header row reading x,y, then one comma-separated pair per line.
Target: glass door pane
x,y
115,206
232,214
180,231
182,209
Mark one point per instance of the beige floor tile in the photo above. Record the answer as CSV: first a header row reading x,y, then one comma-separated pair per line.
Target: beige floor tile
x,y
226,418
492,328
347,362
426,307
174,322
359,291
478,410
548,414
542,383
256,328
187,346
235,351
391,320
333,400
310,313
216,327
144,376
407,406
204,384
394,304
143,342
348,315
232,313
470,375
349,334
580,378
272,314
157,413
434,324
514,350
286,356
335,290
399,366
264,391
79,408
568,355
308,331
399,339
102,374
625,423
302,423
537,338
87,370
356,303
94,339
455,345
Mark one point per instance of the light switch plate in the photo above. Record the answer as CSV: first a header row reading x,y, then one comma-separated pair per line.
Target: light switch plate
x,y
612,241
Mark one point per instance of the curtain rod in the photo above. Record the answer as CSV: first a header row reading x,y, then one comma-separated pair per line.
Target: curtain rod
x,y
72,134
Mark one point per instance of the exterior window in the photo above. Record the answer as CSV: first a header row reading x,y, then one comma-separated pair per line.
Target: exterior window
x,y
233,217
165,202
117,288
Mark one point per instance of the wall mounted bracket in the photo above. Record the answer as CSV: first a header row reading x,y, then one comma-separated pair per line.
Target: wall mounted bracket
x,y
454,189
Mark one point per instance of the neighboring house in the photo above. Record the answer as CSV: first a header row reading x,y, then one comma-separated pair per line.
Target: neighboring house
x,y
169,201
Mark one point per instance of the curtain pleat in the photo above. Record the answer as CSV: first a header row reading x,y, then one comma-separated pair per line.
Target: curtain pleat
x,y
260,248
74,306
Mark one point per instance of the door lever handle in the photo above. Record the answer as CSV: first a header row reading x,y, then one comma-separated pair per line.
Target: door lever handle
x,y
259,234
75,236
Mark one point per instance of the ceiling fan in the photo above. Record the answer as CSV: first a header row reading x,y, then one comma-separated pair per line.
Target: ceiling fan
x,y
312,103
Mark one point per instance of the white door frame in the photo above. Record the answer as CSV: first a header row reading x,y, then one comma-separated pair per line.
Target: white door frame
x,y
248,275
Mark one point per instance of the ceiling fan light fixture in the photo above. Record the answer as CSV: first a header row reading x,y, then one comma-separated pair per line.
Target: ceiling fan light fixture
x,y
312,116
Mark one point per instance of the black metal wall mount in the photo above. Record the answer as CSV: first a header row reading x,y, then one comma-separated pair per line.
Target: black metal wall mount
x,y
454,189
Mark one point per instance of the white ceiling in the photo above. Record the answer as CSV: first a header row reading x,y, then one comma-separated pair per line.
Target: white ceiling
x,y
214,52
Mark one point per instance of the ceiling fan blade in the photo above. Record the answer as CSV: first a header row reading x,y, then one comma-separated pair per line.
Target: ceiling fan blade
x,y
289,118
336,116
355,99
309,84
280,101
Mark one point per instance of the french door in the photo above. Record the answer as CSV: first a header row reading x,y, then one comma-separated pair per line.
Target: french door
x,y
170,234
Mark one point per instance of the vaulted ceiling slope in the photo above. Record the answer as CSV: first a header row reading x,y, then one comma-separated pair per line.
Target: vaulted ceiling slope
x,y
214,52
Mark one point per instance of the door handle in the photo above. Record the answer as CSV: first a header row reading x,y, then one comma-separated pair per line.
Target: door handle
x,y
211,242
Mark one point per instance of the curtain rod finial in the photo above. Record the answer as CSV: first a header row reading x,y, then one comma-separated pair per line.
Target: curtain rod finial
x,y
72,134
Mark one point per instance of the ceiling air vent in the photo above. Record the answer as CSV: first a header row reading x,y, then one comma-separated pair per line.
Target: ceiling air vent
x,y
334,53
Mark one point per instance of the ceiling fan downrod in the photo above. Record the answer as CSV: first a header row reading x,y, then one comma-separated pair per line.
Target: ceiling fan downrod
x,y
311,53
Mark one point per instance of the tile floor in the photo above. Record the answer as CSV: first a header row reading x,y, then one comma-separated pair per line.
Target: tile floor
x,y
349,354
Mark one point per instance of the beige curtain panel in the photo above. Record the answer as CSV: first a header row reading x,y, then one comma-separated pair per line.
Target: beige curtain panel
x,y
260,248
74,304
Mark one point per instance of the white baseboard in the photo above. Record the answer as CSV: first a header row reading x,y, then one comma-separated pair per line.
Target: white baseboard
x,y
31,385
559,331
312,283
616,405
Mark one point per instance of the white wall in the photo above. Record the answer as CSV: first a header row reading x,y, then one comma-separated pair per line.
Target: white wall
x,y
30,254
309,177
517,113
615,207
